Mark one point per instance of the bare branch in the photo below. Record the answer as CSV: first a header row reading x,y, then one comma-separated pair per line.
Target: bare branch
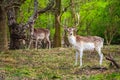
x,y
110,58
13,4
31,19
50,5
8,4
38,12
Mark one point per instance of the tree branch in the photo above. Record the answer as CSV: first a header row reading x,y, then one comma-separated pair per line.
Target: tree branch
x,y
50,5
110,58
12,3
38,12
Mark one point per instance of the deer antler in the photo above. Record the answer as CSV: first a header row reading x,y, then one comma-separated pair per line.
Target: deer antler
x,y
59,17
78,18
77,15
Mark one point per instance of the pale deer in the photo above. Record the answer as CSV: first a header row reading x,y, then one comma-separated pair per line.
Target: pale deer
x,y
81,43
40,34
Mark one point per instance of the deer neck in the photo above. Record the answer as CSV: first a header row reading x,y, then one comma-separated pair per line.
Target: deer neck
x,y
72,40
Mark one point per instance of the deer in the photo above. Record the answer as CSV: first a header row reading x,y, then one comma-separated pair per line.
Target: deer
x,y
38,34
83,43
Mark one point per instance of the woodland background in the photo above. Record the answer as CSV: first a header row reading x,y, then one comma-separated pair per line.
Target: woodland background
x,y
97,17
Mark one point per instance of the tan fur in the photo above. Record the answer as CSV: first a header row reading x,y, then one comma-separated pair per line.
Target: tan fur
x,y
88,38
41,34
81,43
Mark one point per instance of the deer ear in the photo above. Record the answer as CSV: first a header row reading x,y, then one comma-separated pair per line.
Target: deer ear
x,y
75,29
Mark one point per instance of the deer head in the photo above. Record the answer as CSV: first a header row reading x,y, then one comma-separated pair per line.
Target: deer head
x,y
70,30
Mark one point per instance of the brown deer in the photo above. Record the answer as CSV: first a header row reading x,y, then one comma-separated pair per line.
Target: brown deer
x,y
40,34
82,43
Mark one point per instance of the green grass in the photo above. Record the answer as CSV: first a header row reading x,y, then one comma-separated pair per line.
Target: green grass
x,y
56,64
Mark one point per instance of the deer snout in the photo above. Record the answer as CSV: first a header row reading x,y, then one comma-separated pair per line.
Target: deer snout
x,y
70,33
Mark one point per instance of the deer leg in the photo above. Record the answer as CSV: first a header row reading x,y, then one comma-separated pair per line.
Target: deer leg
x,y
81,54
30,43
100,54
41,44
76,57
48,43
36,43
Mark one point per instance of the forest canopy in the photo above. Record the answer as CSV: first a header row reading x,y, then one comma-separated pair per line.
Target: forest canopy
x,y
97,17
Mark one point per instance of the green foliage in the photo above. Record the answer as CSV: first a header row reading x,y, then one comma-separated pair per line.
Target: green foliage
x,y
95,16
26,11
92,14
112,76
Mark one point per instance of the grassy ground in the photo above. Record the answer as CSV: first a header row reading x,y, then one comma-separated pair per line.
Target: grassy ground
x,y
56,64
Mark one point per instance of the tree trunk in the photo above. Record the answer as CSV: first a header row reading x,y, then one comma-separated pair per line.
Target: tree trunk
x,y
109,33
16,31
3,30
73,10
57,35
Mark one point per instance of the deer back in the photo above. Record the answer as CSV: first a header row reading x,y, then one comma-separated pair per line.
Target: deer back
x,y
90,39
41,33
